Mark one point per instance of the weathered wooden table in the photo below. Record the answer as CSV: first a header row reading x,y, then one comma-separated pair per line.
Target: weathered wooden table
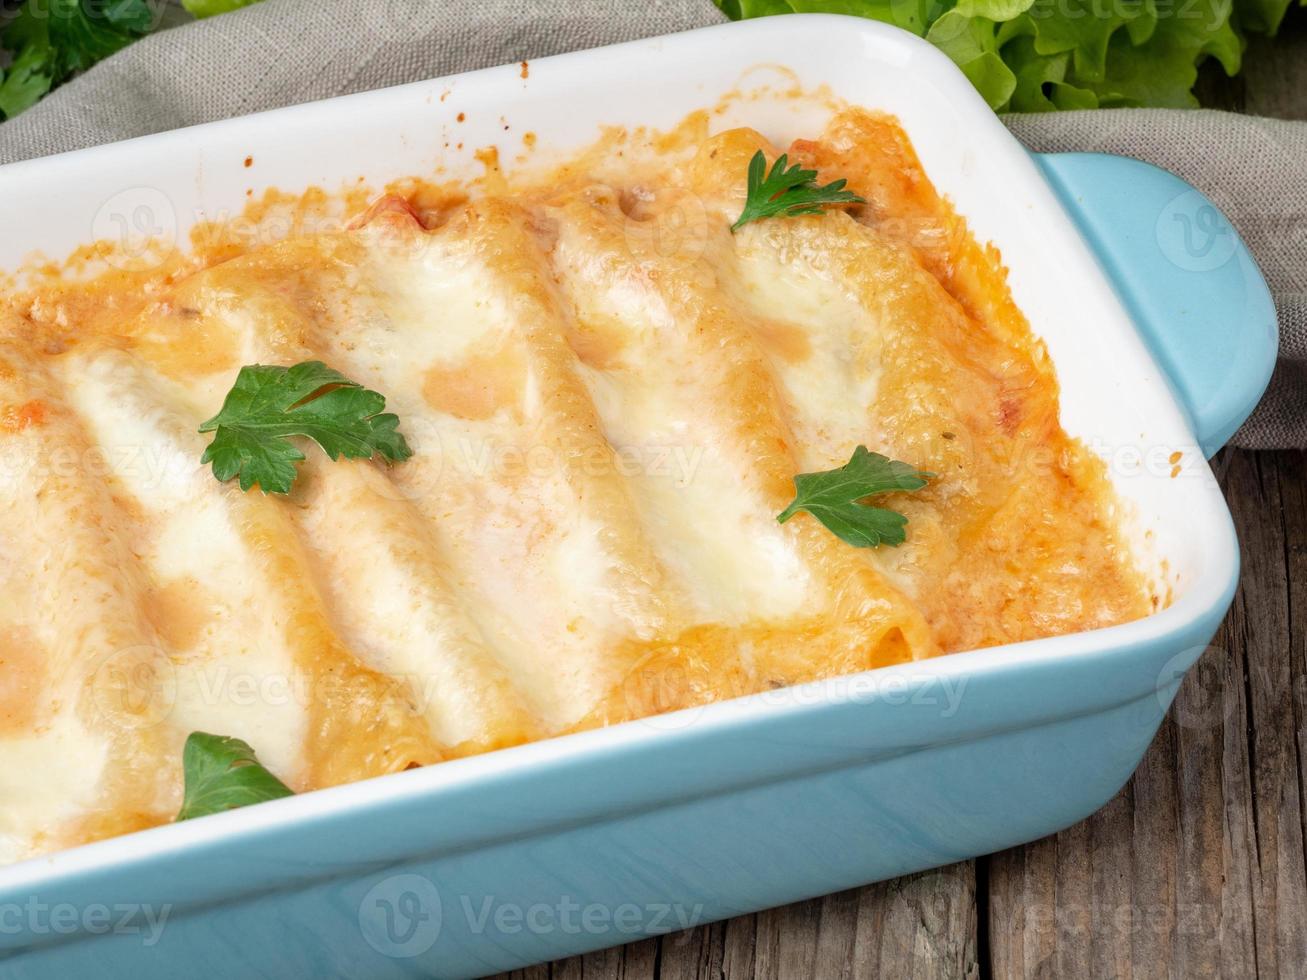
x,y
1196,869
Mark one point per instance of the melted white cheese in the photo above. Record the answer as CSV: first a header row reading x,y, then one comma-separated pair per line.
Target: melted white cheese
x,y
235,678
48,776
831,390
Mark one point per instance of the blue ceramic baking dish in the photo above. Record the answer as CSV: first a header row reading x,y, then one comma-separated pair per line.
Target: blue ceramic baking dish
x,y
1163,335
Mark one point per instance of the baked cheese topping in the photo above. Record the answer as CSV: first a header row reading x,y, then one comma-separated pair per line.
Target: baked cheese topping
x,y
608,394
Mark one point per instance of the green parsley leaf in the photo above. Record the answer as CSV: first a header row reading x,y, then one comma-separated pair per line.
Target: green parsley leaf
x,y
269,404
833,496
786,193
86,31
50,40
27,79
222,773
31,72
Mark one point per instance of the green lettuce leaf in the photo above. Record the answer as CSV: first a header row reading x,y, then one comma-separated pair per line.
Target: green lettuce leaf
x,y
995,10
972,43
1046,55
1086,27
209,8
1041,80
1162,71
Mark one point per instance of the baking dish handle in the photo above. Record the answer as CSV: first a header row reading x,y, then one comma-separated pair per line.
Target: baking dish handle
x,y
1186,277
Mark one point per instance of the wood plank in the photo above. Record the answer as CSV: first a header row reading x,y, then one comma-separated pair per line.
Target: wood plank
x,y
699,952
1261,620
635,961
1196,869
927,929
1293,499
1274,77
923,924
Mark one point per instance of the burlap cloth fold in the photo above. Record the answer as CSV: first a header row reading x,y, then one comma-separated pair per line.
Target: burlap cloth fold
x,y
282,52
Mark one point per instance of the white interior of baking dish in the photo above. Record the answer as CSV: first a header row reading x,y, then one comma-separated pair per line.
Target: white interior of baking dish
x,y
1113,395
